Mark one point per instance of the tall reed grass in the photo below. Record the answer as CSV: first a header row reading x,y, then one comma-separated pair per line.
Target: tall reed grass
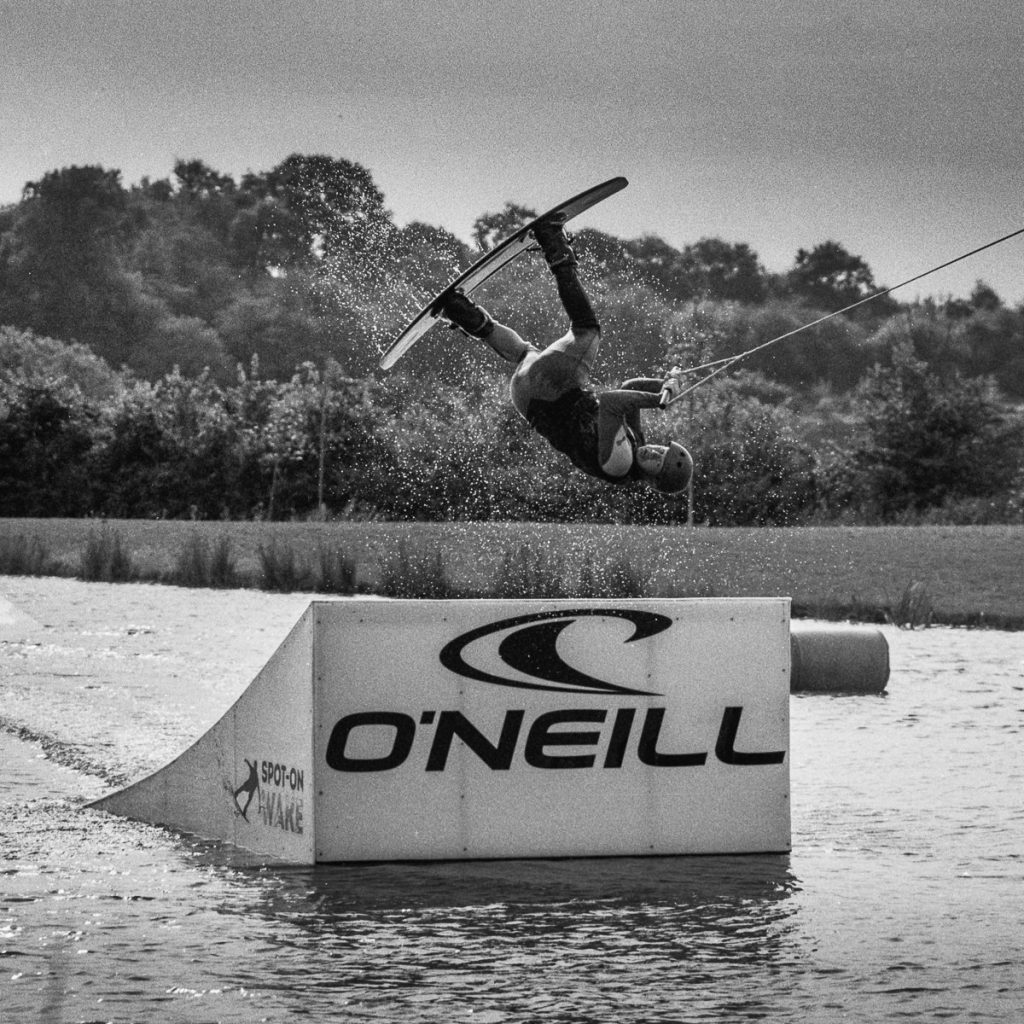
x,y
24,556
202,563
914,608
105,559
336,571
612,578
530,572
327,571
412,574
423,570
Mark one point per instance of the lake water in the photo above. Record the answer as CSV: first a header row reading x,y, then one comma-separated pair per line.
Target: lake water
x,y
903,898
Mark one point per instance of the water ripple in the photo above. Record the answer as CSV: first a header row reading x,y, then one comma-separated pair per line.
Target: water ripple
x,y
902,898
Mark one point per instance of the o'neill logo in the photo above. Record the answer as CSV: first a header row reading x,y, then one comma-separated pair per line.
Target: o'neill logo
x,y
533,651
527,646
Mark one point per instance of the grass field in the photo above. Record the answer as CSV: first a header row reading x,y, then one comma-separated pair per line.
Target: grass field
x,y
954,575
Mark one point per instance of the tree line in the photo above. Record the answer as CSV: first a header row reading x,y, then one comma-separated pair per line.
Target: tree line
x,y
200,346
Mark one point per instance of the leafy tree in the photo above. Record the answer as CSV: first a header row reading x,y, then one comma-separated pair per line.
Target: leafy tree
x,y
184,262
993,343
66,270
829,277
204,200
491,228
159,191
274,325
42,361
61,256
81,207
198,181
633,326
715,269
315,208
311,441
248,251
750,468
653,260
985,298
607,258
928,438
836,352
427,257
183,343
957,309
46,436
173,449
930,336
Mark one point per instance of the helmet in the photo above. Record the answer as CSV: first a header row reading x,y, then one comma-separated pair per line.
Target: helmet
x,y
676,470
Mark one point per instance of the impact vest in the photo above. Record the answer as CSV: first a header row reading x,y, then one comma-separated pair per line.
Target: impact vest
x,y
569,424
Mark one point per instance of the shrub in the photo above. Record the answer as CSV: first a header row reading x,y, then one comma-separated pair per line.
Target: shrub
x,y
337,573
24,556
47,431
614,577
914,608
409,574
202,564
105,560
282,569
928,440
531,573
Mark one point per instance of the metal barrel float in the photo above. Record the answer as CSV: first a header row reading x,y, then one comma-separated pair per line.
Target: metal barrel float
x,y
834,658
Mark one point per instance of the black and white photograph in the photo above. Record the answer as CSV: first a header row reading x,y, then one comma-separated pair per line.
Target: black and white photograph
x,y
511,512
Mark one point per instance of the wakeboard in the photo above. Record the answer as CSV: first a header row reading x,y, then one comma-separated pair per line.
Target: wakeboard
x,y
490,263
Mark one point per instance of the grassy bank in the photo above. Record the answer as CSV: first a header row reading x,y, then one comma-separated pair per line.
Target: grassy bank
x,y
953,575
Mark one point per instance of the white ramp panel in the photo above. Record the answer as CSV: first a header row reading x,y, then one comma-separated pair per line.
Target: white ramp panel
x,y
482,729
249,780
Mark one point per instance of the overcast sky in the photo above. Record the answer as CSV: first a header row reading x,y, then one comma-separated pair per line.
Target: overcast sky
x,y
894,127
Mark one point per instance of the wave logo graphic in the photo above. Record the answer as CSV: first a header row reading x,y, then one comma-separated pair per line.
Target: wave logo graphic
x,y
532,650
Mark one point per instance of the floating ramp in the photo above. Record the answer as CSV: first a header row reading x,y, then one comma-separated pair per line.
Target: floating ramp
x,y
419,730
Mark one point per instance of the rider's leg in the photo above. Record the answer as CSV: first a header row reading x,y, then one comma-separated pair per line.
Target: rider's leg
x,y
562,262
475,321
508,344
582,342
568,362
575,300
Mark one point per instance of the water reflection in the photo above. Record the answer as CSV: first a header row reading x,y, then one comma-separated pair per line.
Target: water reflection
x,y
707,886
523,937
